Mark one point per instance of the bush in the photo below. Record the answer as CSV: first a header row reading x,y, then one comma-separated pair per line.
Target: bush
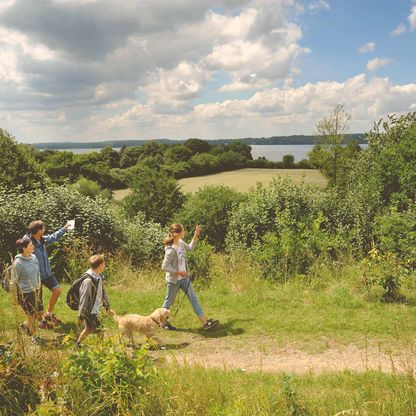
x,y
154,193
385,270
92,189
113,379
200,263
396,232
143,240
258,213
95,223
211,207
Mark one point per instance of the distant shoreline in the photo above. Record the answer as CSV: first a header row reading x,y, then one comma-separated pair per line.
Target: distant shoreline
x,y
275,140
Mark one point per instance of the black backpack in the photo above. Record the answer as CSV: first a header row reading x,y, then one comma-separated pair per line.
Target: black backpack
x,y
72,297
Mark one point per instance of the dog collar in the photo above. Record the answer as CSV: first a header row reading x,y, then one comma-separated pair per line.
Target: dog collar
x,y
154,320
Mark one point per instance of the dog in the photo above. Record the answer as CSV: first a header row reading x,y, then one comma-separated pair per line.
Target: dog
x,y
147,325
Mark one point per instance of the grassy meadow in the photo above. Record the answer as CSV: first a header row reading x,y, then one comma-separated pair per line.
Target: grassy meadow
x,y
243,179
319,345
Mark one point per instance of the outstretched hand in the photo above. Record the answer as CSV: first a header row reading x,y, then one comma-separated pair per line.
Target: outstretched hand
x,y
198,230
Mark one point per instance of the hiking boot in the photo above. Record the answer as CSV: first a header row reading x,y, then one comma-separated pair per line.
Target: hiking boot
x,y
44,324
210,324
168,326
50,317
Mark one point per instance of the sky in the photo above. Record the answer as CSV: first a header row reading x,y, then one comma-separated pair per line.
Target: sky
x,y
90,70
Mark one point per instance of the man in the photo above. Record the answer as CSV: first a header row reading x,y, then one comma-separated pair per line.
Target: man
x,y
91,297
36,231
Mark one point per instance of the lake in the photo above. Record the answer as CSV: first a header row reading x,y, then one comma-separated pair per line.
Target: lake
x,y
273,152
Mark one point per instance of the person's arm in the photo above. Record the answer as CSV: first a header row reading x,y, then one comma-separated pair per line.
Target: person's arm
x,y
84,298
192,244
106,302
16,272
167,265
57,235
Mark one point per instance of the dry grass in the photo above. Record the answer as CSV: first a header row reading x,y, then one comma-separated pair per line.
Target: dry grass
x,y
243,179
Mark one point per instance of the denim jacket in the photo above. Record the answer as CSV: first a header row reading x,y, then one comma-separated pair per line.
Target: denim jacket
x,y
41,253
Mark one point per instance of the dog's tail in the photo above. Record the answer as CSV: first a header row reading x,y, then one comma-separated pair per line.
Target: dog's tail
x,y
112,313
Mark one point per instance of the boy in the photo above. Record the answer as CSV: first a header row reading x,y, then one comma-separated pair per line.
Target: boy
x,y
91,296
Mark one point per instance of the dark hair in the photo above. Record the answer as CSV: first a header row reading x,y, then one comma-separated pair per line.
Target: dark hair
x,y
35,226
96,260
22,243
174,230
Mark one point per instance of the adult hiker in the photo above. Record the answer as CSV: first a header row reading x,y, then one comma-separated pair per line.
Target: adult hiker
x,y
26,276
36,232
177,275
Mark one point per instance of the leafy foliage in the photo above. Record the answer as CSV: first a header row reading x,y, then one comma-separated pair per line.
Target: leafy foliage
x,y
200,263
211,206
154,193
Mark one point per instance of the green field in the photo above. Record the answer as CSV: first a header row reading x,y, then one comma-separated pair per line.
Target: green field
x,y
242,180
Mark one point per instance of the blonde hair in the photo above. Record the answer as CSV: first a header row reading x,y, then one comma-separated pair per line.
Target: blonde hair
x,y
96,261
174,230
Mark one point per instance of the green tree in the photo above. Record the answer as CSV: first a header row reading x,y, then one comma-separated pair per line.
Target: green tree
x,y
328,154
154,193
18,166
288,161
197,146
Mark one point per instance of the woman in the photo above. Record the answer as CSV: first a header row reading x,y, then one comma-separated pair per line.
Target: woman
x,y
177,276
29,288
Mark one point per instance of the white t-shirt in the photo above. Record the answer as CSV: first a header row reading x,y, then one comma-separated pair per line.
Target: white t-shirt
x,y
180,251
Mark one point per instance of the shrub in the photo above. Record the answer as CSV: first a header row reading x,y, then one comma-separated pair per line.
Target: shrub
x,y
95,222
257,215
113,379
92,189
200,263
211,207
385,270
154,193
143,240
396,232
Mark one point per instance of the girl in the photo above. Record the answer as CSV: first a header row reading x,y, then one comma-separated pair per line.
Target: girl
x,y
177,276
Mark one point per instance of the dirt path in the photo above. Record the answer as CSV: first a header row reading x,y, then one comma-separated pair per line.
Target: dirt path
x,y
263,355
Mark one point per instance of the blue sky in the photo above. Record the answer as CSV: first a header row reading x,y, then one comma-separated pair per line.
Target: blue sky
x,y
85,70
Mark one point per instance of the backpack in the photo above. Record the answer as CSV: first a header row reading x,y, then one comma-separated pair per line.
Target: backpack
x,y
6,278
73,297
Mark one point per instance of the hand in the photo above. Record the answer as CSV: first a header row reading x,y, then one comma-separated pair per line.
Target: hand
x,y
198,230
182,274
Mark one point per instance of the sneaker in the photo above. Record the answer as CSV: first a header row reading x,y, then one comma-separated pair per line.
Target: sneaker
x,y
44,324
168,326
210,324
52,318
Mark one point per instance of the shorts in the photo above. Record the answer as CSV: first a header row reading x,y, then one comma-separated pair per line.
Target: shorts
x,y
93,323
50,282
31,302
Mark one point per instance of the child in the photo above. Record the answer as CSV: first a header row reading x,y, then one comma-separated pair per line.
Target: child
x,y
36,231
91,296
29,289
177,276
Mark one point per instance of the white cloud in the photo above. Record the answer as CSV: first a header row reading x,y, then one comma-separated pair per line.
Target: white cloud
x,y
377,63
412,17
400,29
319,5
367,47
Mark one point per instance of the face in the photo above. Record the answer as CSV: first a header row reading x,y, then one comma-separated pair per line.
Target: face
x,y
101,267
28,250
39,234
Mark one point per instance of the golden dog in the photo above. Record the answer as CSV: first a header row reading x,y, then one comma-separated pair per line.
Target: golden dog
x,y
147,325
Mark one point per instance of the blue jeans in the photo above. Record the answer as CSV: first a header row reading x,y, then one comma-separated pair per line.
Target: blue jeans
x,y
173,289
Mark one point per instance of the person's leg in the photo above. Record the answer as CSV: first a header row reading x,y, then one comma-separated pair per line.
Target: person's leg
x,y
186,286
86,331
171,292
53,285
